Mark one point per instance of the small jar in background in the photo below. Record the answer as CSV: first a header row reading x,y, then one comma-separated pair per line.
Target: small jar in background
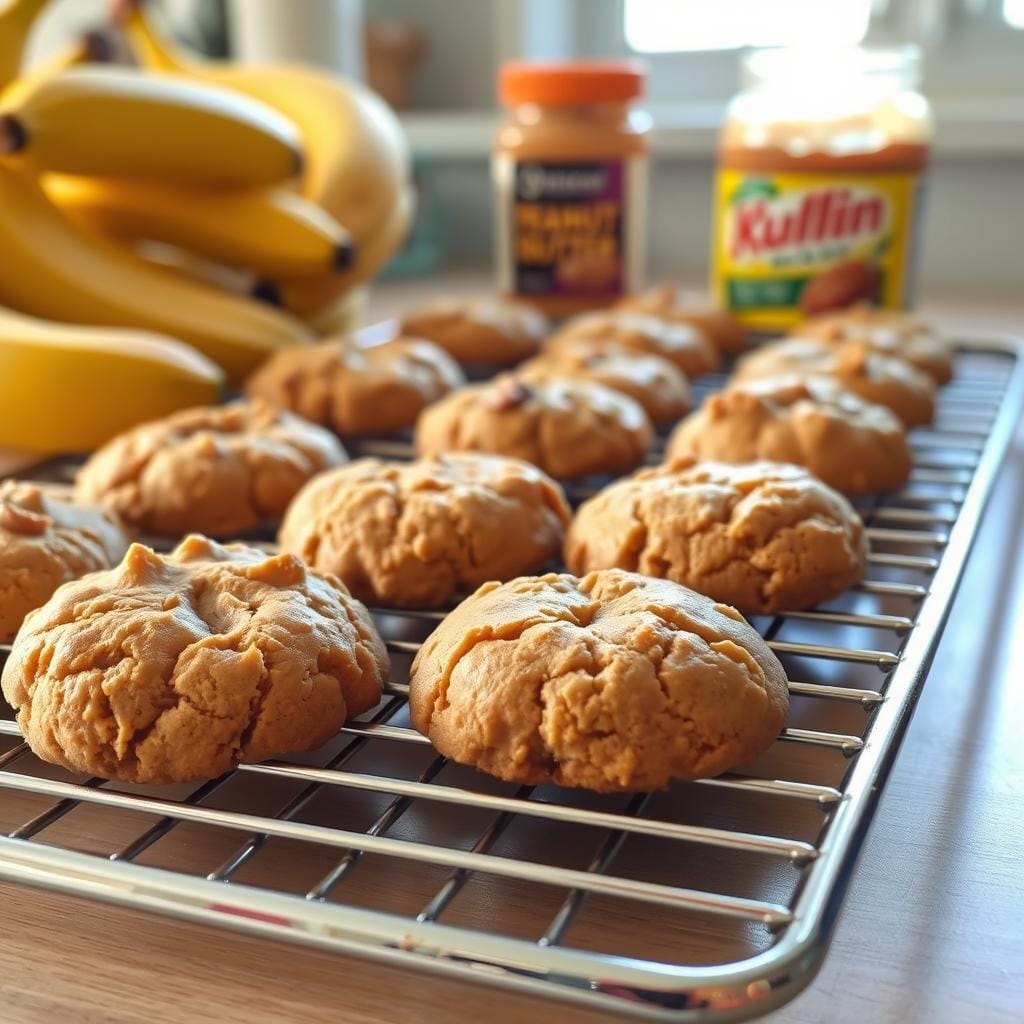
x,y
821,163
570,181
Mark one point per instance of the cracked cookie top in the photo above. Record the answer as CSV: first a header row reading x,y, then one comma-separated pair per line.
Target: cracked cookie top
x,y
568,428
721,327
358,391
422,533
216,470
856,365
852,445
888,332
613,682
680,343
764,536
651,380
44,542
174,668
491,332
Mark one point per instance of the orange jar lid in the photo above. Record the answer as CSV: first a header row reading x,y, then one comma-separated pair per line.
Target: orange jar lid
x,y
570,83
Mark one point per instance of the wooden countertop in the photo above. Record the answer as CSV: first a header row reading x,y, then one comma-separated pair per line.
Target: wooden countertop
x,y
930,930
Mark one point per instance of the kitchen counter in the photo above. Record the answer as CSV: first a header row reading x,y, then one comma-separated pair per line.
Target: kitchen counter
x,y
930,930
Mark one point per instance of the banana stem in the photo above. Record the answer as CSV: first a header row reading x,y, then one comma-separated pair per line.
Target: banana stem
x,y
13,136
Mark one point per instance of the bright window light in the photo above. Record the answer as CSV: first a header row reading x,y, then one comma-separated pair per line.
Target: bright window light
x,y
1013,13
663,26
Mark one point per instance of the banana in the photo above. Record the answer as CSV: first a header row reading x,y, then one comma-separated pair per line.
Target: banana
x,y
51,268
68,388
357,161
271,232
121,121
314,297
16,21
191,267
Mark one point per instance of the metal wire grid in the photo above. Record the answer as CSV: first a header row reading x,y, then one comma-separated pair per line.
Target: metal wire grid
x,y
713,900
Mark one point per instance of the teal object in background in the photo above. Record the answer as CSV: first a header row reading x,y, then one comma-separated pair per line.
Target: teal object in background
x,y
422,252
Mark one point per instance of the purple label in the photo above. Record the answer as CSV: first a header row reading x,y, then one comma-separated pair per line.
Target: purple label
x,y
567,228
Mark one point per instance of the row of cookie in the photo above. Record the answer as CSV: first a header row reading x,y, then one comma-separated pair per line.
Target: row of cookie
x,y
176,668
648,350
762,537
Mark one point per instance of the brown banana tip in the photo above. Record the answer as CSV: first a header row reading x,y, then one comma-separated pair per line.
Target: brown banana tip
x,y
300,163
267,291
344,256
99,47
13,137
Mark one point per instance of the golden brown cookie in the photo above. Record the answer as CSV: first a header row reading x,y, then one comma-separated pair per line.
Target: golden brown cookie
x,y
491,332
651,380
721,328
568,428
178,667
217,470
358,391
852,445
764,536
679,343
890,333
44,542
856,366
614,682
418,534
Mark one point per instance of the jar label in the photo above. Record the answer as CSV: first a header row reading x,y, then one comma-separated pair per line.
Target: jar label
x,y
569,228
791,245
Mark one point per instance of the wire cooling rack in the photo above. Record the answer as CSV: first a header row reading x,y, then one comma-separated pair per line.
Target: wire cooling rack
x,y
712,900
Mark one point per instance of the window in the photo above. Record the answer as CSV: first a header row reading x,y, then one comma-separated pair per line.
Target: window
x,y
1013,13
653,26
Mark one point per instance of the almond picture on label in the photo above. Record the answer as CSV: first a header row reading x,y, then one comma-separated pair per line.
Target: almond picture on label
x,y
839,286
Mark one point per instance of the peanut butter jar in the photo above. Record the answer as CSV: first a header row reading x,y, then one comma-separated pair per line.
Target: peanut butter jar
x,y
570,181
819,187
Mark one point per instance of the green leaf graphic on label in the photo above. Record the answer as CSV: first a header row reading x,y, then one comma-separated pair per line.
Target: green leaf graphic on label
x,y
881,248
754,188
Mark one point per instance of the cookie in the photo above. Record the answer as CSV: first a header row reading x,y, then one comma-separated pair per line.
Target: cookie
x,y
216,470
652,381
490,332
568,428
358,391
614,682
876,378
176,668
419,534
862,316
764,537
852,445
890,333
44,542
679,343
721,328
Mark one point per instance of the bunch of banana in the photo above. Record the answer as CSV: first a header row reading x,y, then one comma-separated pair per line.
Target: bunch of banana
x,y
356,159
289,177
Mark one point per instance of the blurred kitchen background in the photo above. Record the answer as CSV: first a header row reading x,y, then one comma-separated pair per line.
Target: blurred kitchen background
x,y
436,61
